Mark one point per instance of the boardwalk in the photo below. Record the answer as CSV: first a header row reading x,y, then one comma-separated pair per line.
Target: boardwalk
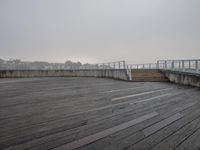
x,y
97,114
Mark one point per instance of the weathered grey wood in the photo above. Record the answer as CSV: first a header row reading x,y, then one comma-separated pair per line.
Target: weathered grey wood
x,y
193,142
152,129
87,133
144,107
174,140
139,94
44,113
154,139
130,133
107,132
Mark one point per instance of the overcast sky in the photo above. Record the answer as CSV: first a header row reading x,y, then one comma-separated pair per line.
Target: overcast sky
x,y
138,31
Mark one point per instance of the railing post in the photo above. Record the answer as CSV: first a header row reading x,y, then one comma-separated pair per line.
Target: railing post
x,y
183,65
129,72
196,66
189,64
124,64
165,64
119,64
172,67
157,65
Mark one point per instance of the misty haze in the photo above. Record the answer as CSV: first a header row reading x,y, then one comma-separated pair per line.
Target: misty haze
x,y
99,74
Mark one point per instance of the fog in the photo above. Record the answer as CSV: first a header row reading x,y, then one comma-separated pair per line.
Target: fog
x,y
93,31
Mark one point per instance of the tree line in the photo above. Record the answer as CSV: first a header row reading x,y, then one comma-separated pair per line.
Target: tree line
x,y
17,64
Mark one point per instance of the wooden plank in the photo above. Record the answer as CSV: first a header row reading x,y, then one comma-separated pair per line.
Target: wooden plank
x,y
119,118
126,89
139,94
152,98
174,140
43,109
48,141
102,134
152,129
191,143
128,137
154,139
95,109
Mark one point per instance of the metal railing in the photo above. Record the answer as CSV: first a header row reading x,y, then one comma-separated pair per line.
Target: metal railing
x,y
143,66
60,66
108,65
191,65
117,65
111,65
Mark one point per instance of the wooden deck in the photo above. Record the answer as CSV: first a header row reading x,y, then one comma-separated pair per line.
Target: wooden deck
x,y
97,114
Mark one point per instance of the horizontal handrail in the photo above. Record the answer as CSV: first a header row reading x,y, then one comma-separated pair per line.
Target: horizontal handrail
x,y
189,65
31,66
181,60
143,66
185,65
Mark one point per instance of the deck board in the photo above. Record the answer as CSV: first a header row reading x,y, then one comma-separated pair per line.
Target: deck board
x,y
47,113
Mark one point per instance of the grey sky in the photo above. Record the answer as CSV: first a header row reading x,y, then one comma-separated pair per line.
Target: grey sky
x,y
138,31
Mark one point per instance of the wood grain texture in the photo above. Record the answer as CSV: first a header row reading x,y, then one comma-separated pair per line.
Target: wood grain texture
x,y
47,113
